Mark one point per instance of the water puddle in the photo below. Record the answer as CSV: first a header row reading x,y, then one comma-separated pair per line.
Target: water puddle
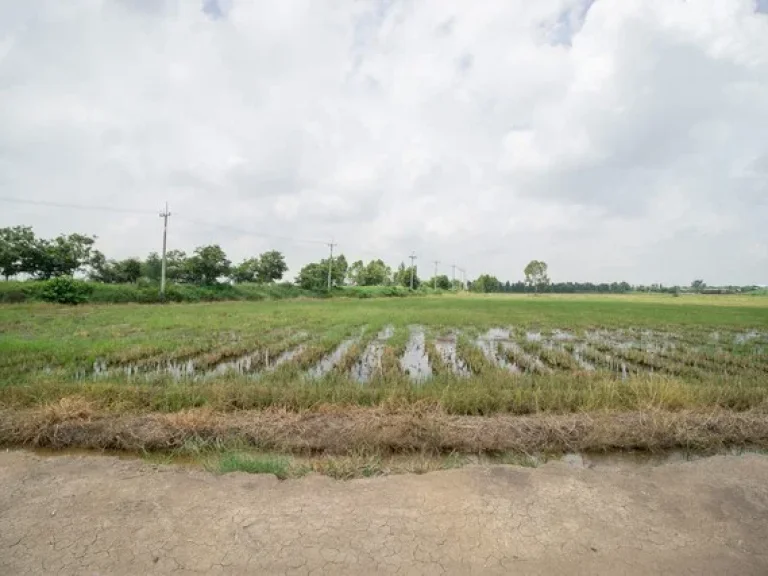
x,y
370,361
585,365
329,362
415,361
489,344
282,358
562,336
189,369
446,348
746,337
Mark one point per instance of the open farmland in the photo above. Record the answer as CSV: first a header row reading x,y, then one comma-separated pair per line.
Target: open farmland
x,y
450,373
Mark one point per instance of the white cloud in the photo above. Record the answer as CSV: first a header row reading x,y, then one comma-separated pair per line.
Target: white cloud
x,y
617,140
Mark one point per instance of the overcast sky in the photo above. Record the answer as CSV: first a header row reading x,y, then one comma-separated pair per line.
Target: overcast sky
x,y
614,139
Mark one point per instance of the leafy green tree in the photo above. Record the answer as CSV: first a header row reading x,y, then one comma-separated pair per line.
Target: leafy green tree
x,y
112,271
152,267
271,266
101,269
246,271
375,273
129,270
62,256
15,246
207,265
441,281
176,266
403,276
314,276
536,275
698,285
486,283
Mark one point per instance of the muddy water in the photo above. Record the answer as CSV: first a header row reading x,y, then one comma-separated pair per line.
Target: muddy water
x,y
585,364
489,345
329,362
415,362
446,348
370,361
282,358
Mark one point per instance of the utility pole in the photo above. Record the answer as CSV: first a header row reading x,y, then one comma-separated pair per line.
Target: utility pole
x,y
330,263
453,277
412,257
437,262
164,216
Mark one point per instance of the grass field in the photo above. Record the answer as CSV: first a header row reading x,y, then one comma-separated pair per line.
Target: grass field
x,y
168,376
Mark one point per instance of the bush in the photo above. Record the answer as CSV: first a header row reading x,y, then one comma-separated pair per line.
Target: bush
x,y
65,290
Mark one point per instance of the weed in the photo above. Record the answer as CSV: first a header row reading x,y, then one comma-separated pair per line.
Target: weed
x,y
252,464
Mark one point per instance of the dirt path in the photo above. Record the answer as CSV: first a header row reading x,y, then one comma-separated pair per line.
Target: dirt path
x,y
99,515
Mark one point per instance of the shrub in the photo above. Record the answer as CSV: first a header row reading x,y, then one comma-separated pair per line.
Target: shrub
x,y
66,290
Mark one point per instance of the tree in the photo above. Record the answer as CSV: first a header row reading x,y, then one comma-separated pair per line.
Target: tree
x,y
15,246
441,281
536,275
112,271
152,267
314,276
486,283
207,265
698,285
176,266
130,270
375,273
403,276
62,256
271,266
246,271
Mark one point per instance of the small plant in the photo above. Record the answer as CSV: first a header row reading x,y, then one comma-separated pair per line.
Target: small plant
x,y
66,290
252,464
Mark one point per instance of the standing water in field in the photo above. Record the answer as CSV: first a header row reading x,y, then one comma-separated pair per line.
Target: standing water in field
x,y
370,361
489,344
446,348
329,362
415,361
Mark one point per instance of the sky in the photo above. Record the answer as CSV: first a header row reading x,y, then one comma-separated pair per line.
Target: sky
x,y
615,140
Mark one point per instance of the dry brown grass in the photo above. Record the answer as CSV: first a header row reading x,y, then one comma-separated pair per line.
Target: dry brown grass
x,y
333,430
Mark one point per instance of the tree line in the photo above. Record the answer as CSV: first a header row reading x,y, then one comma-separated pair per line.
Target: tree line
x,y
24,253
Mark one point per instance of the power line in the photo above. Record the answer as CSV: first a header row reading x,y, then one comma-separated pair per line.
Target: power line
x,y
73,206
250,233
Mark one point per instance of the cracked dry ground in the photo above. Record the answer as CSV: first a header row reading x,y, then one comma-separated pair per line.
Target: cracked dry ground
x,y
100,515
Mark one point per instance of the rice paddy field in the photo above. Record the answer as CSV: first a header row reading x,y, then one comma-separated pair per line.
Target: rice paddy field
x,y
444,373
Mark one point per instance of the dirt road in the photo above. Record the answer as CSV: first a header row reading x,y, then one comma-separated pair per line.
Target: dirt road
x,y
100,515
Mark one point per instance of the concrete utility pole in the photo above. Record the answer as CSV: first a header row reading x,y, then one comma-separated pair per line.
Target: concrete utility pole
x,y
330,263
434,280
412,257
164,215
453,277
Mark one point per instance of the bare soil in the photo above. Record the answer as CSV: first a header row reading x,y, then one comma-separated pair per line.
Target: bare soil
x,y
101,515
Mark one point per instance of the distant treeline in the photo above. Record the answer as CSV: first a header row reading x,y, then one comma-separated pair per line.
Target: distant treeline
x,y
50,266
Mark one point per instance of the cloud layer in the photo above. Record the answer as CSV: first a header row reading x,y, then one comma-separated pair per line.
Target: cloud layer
x,y
615,140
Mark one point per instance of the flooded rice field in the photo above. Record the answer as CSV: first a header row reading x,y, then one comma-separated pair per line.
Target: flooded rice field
x,y
506,349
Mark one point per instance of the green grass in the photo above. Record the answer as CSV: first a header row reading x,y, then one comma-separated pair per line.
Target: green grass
x,y
47,352
252,464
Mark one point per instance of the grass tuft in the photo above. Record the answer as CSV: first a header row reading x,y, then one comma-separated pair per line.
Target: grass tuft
x,y
253,464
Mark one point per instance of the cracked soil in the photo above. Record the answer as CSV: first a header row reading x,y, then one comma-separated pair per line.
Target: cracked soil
x,y
102,515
